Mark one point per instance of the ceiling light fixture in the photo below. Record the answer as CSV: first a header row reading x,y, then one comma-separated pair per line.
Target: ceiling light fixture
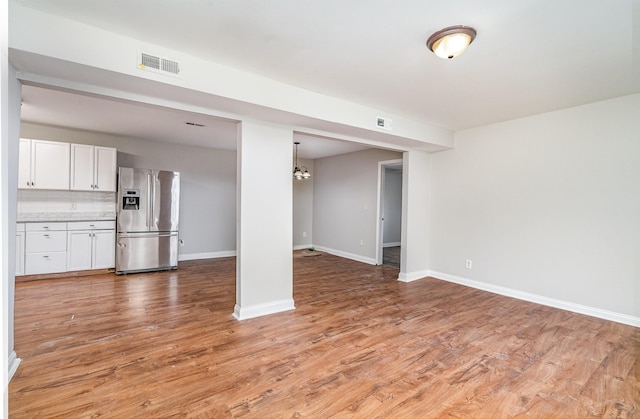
x,y
452,41
300,172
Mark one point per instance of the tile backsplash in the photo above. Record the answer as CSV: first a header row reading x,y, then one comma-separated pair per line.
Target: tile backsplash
x,y
61,202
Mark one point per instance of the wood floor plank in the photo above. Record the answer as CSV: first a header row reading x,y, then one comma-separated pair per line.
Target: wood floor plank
x,y
358,344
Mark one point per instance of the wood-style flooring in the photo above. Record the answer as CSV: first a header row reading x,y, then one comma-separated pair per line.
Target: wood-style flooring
x,y
359,344
391,256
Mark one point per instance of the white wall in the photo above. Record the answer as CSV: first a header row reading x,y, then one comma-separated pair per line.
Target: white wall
x,y
9,122
547,205
208,184
392,207
345,193
416,215
303,208
264,266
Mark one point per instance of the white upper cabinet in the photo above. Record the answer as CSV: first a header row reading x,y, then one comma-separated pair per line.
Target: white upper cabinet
x,y
43,165
93,168
106,169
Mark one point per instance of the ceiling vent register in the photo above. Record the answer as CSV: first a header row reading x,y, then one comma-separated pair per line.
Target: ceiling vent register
x,y
158,64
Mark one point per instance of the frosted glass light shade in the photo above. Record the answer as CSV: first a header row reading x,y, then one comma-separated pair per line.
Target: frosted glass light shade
x,y
450,42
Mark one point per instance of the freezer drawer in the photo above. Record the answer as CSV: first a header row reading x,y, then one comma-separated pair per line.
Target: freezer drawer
x,y
141,252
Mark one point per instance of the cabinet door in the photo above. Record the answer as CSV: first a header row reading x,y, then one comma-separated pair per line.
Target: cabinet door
x,y
20,253
105,169
24,164
82,167
104,242
79,250
50,164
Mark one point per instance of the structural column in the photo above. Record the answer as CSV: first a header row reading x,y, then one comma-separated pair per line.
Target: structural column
x,y
10,98
414,253
264,271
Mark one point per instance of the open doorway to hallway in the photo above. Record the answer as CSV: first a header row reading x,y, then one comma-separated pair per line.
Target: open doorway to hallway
x,y
390,213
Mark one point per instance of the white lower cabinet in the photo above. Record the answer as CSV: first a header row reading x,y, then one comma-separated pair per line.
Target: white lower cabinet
x,y
91,245
45,248
20,235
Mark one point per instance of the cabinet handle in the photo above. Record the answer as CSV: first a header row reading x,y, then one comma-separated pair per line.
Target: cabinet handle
x,y
46,257
45,235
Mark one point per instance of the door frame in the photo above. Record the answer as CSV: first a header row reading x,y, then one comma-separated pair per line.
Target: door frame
x,y
382,165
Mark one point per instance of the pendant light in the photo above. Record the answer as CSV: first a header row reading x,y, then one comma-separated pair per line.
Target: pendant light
x,y
300,172
452,41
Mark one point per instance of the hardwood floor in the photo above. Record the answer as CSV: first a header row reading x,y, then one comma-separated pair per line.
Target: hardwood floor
x,y
359,344
391,256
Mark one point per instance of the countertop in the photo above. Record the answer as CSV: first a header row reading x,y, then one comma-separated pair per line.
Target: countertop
x,y
65,216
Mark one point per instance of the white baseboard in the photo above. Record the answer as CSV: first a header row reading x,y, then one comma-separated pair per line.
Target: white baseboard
x,y
352,256
257,310
539,299
393,244
412,276
302,246
13,363
207,255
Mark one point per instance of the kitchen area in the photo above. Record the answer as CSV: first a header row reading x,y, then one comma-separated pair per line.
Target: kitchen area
x,y
72,216
66,213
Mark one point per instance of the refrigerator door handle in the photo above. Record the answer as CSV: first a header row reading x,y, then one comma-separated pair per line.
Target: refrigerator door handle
x,y
147,221
154,181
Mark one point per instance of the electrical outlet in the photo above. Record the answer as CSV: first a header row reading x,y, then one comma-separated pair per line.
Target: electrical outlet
x,y
361,242
74,206
468,264
304,234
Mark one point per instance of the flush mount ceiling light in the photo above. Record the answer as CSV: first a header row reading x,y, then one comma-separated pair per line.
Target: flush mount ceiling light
x,y
452,41
300,172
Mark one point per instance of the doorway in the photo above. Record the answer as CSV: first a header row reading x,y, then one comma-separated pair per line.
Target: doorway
x,y
389,229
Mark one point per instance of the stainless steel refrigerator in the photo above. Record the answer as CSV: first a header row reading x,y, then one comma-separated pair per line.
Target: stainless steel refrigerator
x,y
147,220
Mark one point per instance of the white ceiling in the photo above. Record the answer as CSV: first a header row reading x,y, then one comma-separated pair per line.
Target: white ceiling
x,y
530,57
71,110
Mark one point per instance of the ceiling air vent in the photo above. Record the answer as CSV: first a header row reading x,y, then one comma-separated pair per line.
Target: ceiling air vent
x,y
158,64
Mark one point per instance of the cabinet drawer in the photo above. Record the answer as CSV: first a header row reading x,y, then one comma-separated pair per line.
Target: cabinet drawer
x,y
91,225
46,241
45,262
46,226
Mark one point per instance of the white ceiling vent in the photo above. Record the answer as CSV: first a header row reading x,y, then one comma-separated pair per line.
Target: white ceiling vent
x,y
158,64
